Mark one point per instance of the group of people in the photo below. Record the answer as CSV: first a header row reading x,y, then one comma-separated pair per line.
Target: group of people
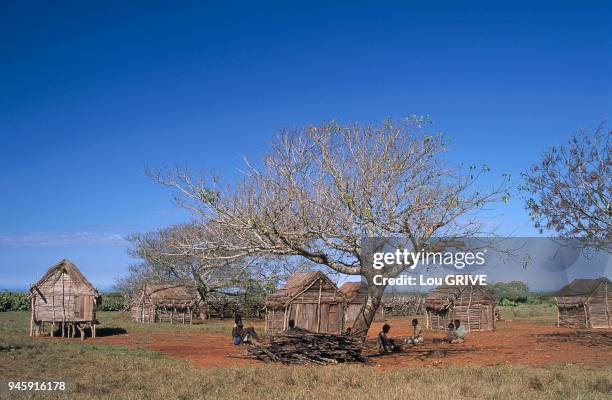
x,y
386,344
456,334
240,334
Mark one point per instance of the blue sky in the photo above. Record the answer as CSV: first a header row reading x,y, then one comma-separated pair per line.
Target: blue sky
x,y
91,92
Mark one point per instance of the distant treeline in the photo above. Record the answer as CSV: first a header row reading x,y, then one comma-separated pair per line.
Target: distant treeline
x,y
516,292
19,301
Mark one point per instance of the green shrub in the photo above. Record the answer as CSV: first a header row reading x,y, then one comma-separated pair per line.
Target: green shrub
x,y
507,303
112,302
14,301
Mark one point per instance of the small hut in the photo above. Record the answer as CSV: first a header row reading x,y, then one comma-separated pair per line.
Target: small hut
x,y
64,299
585,303
311,299
356,294
473,305
163,303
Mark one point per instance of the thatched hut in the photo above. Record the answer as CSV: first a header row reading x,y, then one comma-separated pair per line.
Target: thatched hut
x,y
311,299
356,294
65,299
163,303
473,305
585,303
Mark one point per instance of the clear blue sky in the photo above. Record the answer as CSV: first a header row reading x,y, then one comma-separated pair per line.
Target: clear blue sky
x,y
90,92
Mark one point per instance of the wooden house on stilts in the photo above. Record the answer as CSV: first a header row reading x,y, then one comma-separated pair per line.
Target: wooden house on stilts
x,y
585,303
473,305
311,299
63,298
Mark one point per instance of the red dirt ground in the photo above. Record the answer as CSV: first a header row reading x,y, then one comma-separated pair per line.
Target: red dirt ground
x,y
512,342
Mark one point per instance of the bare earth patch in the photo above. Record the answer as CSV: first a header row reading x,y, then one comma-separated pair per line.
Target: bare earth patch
x,y
513,342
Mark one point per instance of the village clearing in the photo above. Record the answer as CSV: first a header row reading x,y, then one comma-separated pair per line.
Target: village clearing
x,y
525,356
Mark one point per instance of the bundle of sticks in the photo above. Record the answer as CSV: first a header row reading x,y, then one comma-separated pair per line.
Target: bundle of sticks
x,y
298,346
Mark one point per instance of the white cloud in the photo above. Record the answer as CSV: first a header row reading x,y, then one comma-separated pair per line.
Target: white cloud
x,y
59,239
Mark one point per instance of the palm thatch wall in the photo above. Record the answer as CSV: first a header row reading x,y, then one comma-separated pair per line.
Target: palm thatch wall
x,y
163,303
473,305
585,303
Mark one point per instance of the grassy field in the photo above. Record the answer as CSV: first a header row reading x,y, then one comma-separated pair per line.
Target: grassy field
x,y
96,371
541,313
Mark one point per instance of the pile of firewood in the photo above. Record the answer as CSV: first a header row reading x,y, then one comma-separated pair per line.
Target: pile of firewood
x,y
299,346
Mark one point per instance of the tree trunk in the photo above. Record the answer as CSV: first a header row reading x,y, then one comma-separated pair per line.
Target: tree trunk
x,y
202,304
368,310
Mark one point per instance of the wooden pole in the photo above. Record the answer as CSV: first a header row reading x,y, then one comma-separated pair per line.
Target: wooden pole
x,y
32,316
469,306
53,308
319,307
63,306
607,306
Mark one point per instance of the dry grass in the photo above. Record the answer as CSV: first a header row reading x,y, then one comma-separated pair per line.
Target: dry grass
x,y
117,372
541,313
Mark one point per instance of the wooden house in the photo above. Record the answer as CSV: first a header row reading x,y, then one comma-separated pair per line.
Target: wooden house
x,y
585,303
473,305
63,298
164,303
356,294
311,299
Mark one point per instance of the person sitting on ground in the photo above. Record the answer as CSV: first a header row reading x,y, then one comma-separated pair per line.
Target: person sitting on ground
x,y
291,325
417,334
386,344
240,334
450,333
459,332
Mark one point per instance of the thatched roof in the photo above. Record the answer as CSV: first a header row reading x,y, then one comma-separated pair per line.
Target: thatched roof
x,y
297,283
65,266
581,287
168,294
444,296
352,290
579,291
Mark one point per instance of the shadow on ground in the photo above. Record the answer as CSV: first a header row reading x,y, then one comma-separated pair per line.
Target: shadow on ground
x,y
110,331
601,339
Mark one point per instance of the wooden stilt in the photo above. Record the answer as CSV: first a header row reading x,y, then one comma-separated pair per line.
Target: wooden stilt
x,y
32,318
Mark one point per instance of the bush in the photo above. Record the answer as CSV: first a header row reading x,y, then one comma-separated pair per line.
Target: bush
x,y
19,301
112,302
514,291
14,301
507,303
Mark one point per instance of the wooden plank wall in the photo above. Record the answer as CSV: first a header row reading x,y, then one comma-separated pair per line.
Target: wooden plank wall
x,y
59,301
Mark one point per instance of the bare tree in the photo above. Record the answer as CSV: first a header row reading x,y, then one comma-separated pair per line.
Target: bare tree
x,y
569,189
324,188
178,254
